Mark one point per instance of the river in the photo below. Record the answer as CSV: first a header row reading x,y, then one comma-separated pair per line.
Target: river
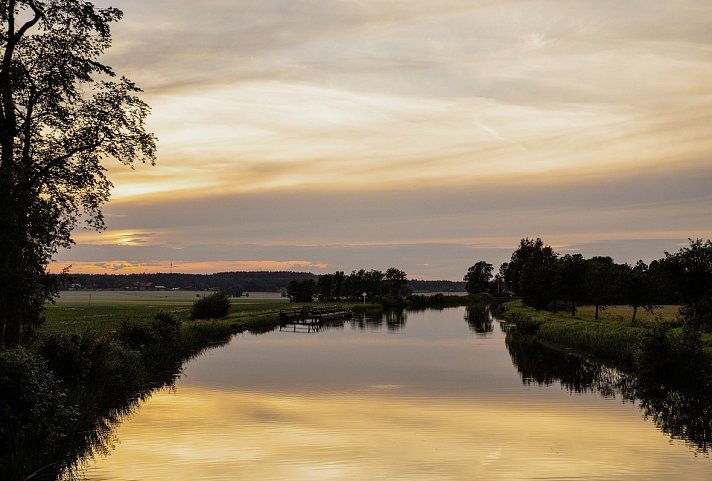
x,y
431,395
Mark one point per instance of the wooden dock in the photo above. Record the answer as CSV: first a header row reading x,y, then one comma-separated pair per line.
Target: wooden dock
x,y
310,319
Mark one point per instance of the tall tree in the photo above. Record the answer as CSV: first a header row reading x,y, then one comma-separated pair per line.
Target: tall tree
x,y
638,290
62,112
601,281
395,280
570,275
531,272
478,277
690,274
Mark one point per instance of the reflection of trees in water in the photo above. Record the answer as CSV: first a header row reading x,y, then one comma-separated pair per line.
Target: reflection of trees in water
x,y
479,319
395,319
686,416
100,386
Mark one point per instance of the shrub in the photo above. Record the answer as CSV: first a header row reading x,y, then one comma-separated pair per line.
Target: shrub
x,y
136,334
34,413
212,306
673,357
165,327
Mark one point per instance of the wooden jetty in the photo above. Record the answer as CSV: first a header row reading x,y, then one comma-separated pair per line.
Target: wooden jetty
x,y
308,318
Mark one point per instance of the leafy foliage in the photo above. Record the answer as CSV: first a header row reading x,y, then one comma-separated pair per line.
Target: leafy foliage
x,y
302,291
478,277
212,306
62,112
690,273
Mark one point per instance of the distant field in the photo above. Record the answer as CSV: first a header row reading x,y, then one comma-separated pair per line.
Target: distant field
x,y
77,311
625,313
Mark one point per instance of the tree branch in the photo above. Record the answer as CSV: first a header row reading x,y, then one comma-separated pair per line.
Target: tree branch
x,y
30,23
58,161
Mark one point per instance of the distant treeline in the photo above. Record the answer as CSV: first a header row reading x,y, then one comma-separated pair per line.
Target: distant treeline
x,y
232,282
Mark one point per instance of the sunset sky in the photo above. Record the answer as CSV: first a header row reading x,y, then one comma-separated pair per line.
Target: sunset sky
x,y
342,134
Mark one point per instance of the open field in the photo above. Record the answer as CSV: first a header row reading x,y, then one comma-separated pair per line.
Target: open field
x,y
76,311
623,314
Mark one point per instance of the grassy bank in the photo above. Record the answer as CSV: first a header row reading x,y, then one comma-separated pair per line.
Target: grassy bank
x,y
105,311
611,338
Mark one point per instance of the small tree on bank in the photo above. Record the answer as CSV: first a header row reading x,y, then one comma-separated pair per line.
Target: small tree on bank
x,y
212,306
61,113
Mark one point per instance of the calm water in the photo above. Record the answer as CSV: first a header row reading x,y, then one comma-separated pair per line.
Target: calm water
x,y
425,396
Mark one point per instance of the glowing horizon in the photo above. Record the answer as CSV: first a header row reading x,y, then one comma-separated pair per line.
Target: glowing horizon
x,y
579,123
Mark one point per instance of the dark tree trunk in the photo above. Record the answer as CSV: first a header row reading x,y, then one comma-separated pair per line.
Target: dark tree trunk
x,y
11,266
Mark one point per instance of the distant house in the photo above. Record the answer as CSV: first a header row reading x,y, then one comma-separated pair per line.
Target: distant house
x,y
142,286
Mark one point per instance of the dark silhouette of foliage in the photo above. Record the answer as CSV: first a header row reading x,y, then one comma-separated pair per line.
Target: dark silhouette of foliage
x,y
478,277
212,306
33,409
601,282
302,291
570,280
61,113
531,272
638,288
690,274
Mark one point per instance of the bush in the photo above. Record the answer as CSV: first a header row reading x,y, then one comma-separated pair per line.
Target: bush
x,y
137,334
673,357
165,327
34,413
212,306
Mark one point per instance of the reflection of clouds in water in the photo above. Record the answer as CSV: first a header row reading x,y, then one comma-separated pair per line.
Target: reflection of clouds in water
x,y
262,436
430,401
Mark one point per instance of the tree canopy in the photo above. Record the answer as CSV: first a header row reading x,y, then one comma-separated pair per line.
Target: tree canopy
x,y
62,112
478,277
541,277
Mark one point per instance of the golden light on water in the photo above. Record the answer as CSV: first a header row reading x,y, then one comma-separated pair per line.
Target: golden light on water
x,y
202,433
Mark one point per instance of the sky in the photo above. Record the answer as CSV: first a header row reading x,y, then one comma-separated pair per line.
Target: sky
x,y
344,134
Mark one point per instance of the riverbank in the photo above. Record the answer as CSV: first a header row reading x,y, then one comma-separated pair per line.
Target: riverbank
x,y
96,358
614,340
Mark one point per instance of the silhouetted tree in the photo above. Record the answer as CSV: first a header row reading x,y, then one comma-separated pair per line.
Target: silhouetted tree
x,y
532,271
302,291
61,114
395,282
478,277
570,277
601,282
690,274
638,290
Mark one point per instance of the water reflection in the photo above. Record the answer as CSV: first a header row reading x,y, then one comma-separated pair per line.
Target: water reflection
x,y
394,319
404,395
685,416
479,319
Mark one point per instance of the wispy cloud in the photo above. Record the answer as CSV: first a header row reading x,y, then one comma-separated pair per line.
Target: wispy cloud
x,y
453,122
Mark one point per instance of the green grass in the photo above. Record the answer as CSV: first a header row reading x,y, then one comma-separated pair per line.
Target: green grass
x,y
104,311
611,337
